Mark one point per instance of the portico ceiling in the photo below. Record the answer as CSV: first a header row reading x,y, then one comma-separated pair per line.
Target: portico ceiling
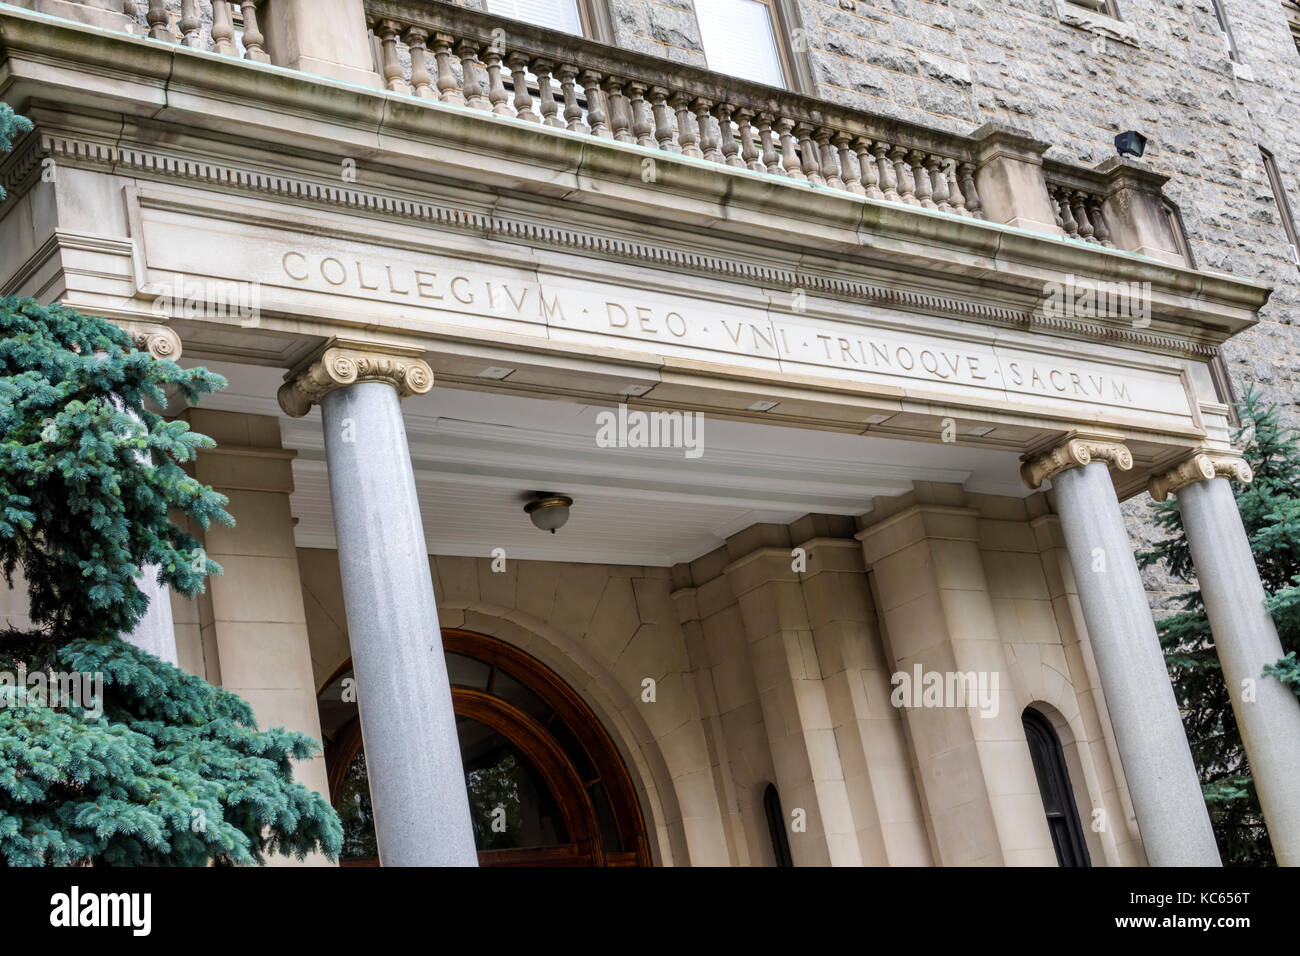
x,y
479,455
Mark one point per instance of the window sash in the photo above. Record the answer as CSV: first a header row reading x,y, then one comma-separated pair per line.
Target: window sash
x,y
740,40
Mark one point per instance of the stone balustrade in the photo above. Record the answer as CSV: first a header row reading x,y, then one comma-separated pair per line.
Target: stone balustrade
x,y
449,54
1078,201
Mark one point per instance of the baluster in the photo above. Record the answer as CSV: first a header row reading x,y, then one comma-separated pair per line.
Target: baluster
x,y
906,182
867,164
955,197
938,183
665,133
542,69
416,41
572,108
1055,200
749,154
642,123
1068,222
517,63
808,155
223,28
709,142
1081,216
1098,218
449,90
189,23
888,175
850,172
687,132
620,119
730,148
471,79
968,191
924,189
830,163
387,31
597,114
771,158
253,38
789,158
159,24
497,95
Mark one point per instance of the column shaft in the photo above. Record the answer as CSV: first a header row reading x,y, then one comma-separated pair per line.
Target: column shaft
x,y
417,783
1158,764
1246,639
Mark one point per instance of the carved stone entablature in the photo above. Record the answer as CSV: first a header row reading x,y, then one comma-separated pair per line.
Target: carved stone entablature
x,y
340,365
1202,466
1074,453
158,340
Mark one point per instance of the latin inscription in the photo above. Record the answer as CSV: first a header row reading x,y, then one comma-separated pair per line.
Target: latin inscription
x,y
789,339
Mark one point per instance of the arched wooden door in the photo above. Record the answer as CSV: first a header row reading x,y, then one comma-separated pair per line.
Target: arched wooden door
x,y
546,785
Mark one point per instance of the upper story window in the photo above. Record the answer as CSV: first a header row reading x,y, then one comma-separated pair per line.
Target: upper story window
x,y
587,18
742,38
1283,204
1293,19
1106,7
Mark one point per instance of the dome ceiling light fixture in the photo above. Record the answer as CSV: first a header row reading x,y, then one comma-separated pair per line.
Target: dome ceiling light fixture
x,y
548,510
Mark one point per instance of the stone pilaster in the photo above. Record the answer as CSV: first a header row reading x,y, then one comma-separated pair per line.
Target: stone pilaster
x,y
1245,636
796,714
873,747
251,619
937,613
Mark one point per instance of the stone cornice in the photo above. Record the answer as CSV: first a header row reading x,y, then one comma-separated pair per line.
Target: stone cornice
x,y
1074,453
155,164
341,364
1202,466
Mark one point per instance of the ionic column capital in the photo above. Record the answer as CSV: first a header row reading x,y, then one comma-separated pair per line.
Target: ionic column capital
x,y
339,365
1074,453
1202,466
160,341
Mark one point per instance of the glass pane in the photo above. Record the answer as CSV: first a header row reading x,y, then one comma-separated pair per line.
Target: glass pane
x,y
510,805
338,703
513,692
465,671
739,40
559,15
355,813
609,838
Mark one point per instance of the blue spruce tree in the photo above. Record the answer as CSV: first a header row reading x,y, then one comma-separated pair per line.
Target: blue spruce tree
x,y
164,768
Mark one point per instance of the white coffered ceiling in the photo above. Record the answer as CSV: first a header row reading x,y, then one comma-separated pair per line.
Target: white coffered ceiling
x,y
478,456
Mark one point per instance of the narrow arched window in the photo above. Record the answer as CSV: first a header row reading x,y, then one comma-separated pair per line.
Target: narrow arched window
x,y
1054,785
776,826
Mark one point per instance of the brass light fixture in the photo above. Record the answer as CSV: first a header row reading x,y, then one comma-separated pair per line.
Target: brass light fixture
x,y
548,510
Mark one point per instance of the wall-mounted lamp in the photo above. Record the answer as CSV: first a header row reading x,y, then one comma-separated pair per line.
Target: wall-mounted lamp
x,y
549,511
1131,143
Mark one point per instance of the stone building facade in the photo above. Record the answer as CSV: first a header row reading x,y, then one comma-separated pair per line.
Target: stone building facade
x,y
438,252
